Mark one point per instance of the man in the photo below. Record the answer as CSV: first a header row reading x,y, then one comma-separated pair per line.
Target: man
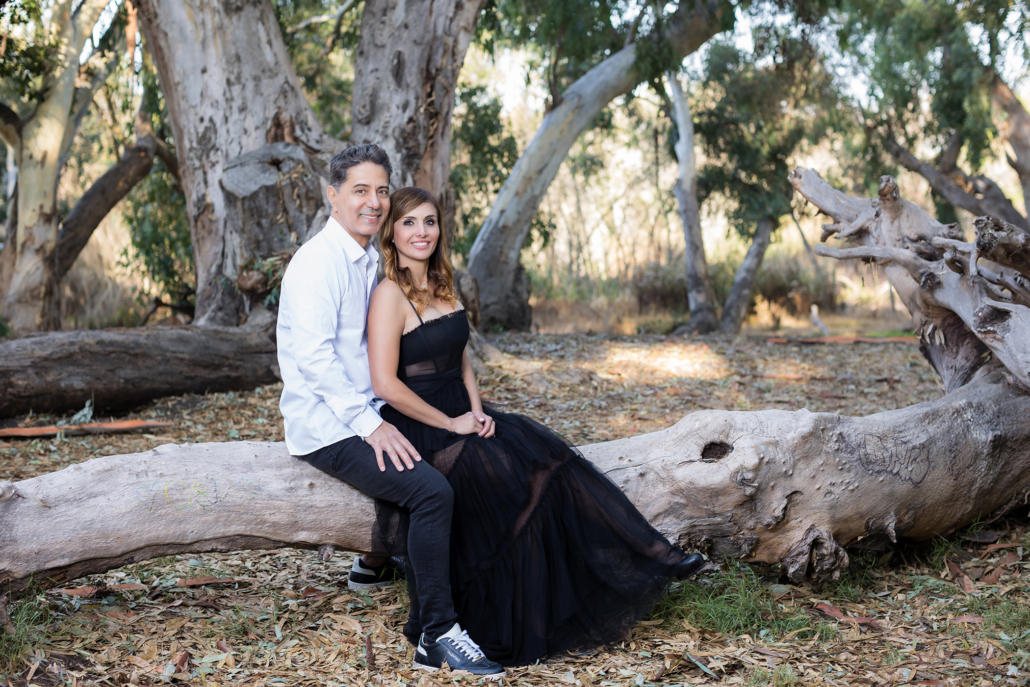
x,y
328,406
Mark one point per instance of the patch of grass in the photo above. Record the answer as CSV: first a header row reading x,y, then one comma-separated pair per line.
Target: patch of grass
x,y
1008,621
825,631
855,581
759,678
784,676
894,656
733,604
30,616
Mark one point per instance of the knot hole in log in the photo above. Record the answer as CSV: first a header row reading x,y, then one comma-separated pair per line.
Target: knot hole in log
x,y
988,318
716,451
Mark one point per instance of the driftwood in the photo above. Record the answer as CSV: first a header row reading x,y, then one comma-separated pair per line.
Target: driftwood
x,y
122,368
768,486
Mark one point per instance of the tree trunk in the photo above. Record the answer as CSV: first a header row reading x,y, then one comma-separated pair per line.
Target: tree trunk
x,y
406,70
767,486
739,300
494,257
123,368
230,90
29,298
1016,131
700,296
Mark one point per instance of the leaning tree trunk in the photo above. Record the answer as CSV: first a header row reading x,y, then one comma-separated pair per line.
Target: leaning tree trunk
x,y
739,300
231,90
700,296
122,368
494,257
406,71
767,486
1016,130
28,287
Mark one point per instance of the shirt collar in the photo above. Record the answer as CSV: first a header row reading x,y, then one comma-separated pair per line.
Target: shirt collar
x,y
351,247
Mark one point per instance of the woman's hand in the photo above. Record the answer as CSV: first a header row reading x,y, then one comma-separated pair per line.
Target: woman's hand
x,y
466,424
487,422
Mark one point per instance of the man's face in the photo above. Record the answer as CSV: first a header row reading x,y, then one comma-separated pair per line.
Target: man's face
x,y
363,201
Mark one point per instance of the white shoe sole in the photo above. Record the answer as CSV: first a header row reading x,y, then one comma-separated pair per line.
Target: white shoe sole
x,y
351,584
430,669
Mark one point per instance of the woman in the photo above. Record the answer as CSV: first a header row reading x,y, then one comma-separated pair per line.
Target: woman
x,y
547,554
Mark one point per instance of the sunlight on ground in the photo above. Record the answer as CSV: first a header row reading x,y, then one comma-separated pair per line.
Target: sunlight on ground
x,y
670,361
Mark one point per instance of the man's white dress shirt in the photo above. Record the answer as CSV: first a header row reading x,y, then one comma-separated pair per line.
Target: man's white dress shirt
x,y
322,340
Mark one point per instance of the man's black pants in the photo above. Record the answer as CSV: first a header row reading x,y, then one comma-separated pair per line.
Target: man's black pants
x,y
429,499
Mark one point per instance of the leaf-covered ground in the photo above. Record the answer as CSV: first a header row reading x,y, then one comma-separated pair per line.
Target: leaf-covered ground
x,y
951,612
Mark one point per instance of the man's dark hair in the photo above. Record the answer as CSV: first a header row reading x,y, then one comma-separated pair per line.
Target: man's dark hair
x,y
354,156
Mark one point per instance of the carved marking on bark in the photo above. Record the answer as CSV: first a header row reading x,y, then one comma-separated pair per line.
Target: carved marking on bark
x,y
205,492
888,456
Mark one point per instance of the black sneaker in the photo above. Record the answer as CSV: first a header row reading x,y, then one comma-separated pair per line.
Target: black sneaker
x,y
459,652
378,577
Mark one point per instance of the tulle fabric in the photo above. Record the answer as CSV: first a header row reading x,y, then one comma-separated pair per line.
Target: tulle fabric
x,y
547,554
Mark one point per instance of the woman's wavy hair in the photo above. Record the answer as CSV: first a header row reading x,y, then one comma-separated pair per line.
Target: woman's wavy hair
x,y
402,202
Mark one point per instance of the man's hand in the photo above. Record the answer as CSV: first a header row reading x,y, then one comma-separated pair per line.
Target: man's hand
x,y
387,439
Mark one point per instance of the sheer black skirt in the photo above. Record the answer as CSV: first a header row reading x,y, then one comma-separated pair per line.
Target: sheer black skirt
x,y
547,554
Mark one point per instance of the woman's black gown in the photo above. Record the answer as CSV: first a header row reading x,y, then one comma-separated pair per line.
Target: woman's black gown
x,y
547,554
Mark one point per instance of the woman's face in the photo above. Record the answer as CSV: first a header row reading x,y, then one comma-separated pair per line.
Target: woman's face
x,y
417,233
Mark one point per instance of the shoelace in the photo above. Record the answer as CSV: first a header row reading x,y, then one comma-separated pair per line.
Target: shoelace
x,y
465,644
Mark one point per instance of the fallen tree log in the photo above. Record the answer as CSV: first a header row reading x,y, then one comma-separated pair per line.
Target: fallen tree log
x,y
767,486
123,368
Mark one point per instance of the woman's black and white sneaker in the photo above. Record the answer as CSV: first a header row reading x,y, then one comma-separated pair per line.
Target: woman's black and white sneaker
x,y
377,577
459,652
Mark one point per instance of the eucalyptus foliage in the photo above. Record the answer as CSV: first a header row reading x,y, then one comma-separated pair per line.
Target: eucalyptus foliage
x,y
159,232
756,111
929,67
482,156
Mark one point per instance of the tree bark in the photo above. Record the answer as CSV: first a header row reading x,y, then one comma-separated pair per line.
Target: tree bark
x,y
123,368
494,257
739,299
28,300
700,296
230,89
406,71
768,486
1016,130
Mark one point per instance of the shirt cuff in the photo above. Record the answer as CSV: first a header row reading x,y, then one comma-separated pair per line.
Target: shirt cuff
x,y
366,423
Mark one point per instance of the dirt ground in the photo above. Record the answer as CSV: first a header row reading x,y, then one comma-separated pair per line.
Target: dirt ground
x,y
951,612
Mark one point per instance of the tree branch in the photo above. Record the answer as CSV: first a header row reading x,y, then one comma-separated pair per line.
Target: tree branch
x,y
105,193
81,102
323,18
992,200
337,27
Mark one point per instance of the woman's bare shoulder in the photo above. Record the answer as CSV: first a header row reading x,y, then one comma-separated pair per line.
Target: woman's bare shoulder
x,y
388,291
